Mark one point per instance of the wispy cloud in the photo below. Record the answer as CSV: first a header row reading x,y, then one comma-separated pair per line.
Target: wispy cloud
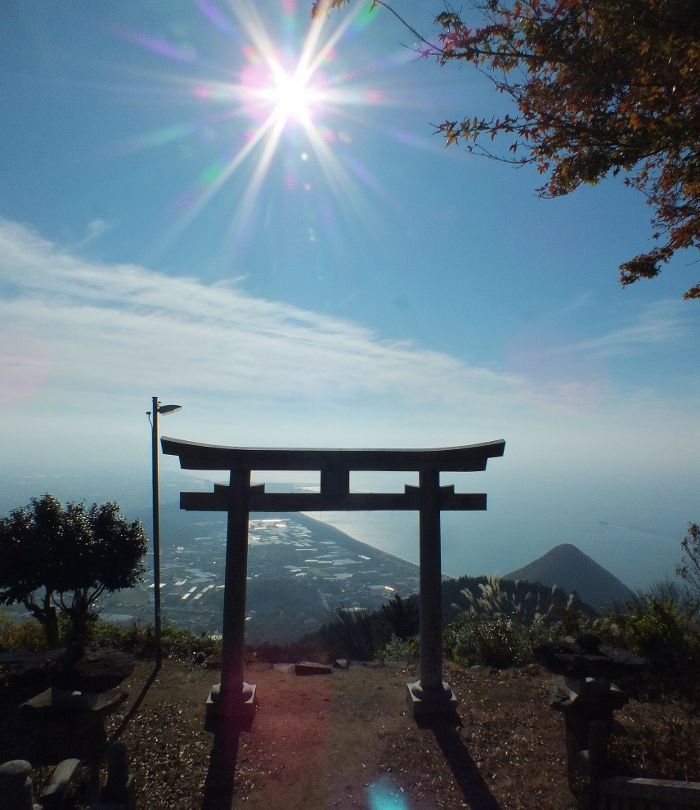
x,y
94,230
83,346
657,324
103,327
83,335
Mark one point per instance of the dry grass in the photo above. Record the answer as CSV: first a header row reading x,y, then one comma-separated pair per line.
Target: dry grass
x,y
657,740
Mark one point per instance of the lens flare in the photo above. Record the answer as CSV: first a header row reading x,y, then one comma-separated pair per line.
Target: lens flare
x,y
278,91
384,795
282,90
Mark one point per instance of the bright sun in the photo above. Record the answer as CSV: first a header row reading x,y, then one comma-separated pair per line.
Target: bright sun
x,y
292,96
277,89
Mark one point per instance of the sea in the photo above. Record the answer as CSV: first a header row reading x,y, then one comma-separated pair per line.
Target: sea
x,y
479,543
635,542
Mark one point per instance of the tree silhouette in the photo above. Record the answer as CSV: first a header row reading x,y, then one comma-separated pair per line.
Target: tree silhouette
x,y
29,540
401,615
51,557
598,87
689,569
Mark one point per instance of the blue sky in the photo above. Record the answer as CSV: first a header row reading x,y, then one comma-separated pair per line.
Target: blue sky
x,y
346,281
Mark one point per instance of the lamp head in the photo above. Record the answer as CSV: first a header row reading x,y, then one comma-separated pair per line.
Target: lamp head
x,y
165,409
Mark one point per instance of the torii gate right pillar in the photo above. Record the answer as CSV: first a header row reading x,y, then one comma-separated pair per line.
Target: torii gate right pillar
x,y
430,697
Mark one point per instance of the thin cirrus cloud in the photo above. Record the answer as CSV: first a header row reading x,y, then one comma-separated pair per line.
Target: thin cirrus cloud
x,y
661,323
95,229
78,337
622,356
83,325
72,326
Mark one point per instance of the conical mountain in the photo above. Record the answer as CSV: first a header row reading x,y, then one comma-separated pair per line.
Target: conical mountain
x,y
572,570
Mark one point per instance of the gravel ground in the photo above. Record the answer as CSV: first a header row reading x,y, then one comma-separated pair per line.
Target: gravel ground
x,y
347,740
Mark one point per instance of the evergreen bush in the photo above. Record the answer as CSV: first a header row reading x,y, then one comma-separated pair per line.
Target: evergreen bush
x,y
494,640
401,649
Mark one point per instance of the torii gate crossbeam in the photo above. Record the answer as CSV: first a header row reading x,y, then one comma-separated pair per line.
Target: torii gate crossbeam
x,y
430,695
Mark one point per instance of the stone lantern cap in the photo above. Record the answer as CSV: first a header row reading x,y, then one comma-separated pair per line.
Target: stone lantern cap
x,y
587,657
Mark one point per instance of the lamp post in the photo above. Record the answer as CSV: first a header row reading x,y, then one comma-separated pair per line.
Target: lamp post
x,y
157,408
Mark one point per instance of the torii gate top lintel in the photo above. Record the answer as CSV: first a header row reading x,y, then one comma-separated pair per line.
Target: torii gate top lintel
x,y
196,456
335,467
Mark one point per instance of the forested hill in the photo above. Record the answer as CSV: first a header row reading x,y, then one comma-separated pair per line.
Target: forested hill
x,y
571,569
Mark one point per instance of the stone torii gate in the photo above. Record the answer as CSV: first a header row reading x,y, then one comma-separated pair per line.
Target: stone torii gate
x,y
429,696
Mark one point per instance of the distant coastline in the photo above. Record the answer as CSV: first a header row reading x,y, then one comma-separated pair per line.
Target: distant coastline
x,y
347,539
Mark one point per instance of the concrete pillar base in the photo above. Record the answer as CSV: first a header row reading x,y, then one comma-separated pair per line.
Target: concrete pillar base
x,y
243,710
431,705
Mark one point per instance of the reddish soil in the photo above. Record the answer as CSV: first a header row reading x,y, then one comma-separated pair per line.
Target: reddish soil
x,y
348,740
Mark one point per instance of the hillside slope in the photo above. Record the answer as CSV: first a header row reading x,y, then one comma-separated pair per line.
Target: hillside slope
x,y
571,569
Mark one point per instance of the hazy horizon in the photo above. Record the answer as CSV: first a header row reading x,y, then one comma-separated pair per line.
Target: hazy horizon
x,y
503,538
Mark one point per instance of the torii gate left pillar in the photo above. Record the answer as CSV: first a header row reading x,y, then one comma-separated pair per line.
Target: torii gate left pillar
x,y
430,696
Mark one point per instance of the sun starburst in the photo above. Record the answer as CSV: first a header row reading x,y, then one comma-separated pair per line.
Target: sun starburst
x,y
293,96
298,97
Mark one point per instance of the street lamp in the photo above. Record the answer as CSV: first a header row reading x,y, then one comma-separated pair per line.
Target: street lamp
x,y
157,408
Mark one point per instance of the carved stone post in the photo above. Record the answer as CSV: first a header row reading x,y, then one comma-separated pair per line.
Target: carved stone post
x,y
430,697
430,583
233,697
120,788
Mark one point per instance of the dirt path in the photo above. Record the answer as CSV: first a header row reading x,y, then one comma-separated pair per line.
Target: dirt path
x,y
347,740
